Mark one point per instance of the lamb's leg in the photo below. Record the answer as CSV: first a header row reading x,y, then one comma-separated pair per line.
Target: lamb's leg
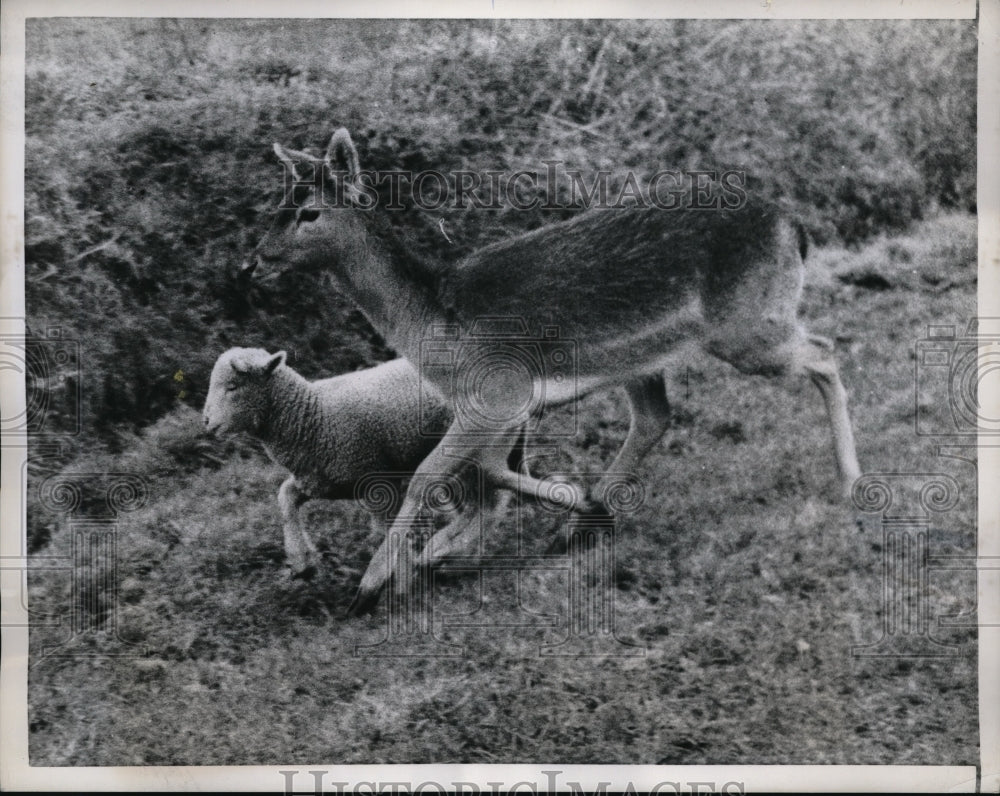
x,y
300,552
490,454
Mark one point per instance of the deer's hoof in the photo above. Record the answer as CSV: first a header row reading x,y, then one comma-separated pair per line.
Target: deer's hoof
x,y
364,603
301,566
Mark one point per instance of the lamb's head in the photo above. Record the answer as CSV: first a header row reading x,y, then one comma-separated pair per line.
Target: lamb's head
x,y
238,394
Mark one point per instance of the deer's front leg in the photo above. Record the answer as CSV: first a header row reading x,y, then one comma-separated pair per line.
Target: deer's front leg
x,y
461,535
437,467
489,453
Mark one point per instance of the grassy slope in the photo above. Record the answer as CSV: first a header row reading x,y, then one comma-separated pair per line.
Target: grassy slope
x,y
149,168
745,581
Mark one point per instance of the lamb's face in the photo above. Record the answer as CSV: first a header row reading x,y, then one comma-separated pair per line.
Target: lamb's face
x,y
237,393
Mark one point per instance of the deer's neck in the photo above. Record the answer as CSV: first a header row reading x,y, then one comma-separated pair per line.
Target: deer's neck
x,y
395,290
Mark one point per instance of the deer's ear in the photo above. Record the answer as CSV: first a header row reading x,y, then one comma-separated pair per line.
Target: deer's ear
x,y
274,362
292,156
341,154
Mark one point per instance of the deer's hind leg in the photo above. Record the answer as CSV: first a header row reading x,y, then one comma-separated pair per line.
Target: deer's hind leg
x,y
650,416
816,359
780,348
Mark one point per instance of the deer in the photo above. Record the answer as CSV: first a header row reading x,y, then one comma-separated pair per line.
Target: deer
x,y
628,286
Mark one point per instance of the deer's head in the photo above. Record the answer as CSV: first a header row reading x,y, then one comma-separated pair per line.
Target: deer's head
x,y
316,222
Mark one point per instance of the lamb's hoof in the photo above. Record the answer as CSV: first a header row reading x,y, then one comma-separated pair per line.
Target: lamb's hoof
x,y
592,509
364,603
557,547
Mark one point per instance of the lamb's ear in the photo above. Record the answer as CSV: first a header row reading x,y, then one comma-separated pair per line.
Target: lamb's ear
x,y
274,362
341,154
292,156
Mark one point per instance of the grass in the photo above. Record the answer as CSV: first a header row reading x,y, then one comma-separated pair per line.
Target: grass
x,y
148,155
742,575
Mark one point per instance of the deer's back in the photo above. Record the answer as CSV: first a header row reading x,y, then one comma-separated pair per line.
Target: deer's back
x,y
608,271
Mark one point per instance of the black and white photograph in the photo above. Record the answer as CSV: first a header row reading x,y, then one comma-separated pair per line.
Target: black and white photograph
x,y
447,398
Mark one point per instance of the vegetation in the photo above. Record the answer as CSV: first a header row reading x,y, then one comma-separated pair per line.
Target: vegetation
x,y
149,163
150,175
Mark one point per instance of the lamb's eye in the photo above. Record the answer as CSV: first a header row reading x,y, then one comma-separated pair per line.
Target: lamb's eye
x,y
230,388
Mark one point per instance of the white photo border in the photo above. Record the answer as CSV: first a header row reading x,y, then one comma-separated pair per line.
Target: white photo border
x,y
16,774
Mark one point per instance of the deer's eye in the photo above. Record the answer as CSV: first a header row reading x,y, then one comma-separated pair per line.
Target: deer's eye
x,y
307,215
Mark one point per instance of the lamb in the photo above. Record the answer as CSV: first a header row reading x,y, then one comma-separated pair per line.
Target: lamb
x,y
331,433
